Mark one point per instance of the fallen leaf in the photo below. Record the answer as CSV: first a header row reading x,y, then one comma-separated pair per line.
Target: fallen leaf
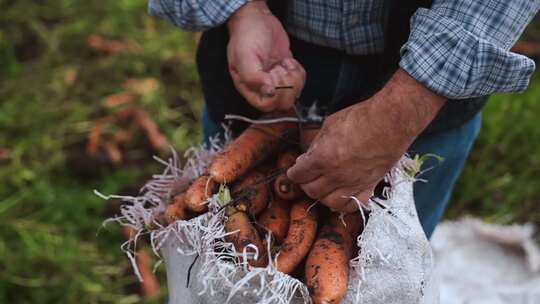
x,y
150,284
99,43
113,152
94,137
141,86
122,136
117,99
156,138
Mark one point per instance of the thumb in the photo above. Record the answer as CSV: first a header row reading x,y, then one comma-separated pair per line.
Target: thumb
x,y
250,71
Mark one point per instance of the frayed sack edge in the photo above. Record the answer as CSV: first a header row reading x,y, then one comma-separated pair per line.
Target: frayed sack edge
x,y
205,235
141,212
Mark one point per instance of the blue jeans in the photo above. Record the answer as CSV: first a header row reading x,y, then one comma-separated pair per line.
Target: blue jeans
x,y
454,146
431,197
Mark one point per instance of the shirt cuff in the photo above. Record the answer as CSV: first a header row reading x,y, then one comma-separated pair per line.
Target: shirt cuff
x,y
195,15
455,63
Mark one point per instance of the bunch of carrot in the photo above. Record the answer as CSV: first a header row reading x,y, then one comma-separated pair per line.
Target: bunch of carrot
x,y
264,202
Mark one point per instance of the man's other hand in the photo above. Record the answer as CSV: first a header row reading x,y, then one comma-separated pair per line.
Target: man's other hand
x,y
260,59
357,146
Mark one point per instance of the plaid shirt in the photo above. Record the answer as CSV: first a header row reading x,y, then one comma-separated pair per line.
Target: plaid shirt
x,y
457,48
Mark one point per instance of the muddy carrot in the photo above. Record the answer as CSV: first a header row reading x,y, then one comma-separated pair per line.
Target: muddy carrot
x,y
275,219
198,193
283,187
253,146
353,222
300,237
245,234
252,193
177,210
327,265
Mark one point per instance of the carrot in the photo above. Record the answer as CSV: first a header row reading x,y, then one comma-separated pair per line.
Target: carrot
x,y
300,237
251,193
245,234
327,265
353,222
287,159
177,210
198,193
283,187
254,145
266,168
275,219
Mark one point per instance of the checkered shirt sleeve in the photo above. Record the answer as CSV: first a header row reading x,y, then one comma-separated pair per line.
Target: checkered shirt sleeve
x,y
195,15
460,48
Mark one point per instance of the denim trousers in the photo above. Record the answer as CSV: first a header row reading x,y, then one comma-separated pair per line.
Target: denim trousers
x,y
335,82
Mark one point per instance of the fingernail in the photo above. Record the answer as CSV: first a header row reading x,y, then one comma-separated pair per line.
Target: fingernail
x,y
289,64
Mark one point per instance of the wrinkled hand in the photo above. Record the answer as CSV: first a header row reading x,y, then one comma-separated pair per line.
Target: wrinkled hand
x,y
260,59
357,146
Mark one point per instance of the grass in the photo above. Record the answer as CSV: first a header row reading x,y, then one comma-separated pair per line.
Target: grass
x,y
52,91
501,180
53,88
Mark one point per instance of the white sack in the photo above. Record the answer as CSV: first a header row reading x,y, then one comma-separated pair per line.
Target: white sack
x,y
480,263
395,263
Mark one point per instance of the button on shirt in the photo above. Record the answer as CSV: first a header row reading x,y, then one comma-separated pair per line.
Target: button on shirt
x,y
457,48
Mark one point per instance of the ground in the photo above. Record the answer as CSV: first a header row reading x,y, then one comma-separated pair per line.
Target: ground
x,y
66,65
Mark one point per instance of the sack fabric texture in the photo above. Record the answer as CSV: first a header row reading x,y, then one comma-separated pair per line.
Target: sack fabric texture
x,y
394,264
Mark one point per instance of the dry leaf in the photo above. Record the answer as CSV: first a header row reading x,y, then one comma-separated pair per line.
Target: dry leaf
x,y
119,99
94,137
113,152
150,284
122,136
141,86
156,138
99,43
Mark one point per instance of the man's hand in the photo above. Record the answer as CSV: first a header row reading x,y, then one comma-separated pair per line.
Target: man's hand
x,y
260,59
357,146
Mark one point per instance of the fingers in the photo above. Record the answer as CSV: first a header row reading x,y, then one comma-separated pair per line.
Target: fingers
x,y
341,199
259,87
299,76
319,188
283,99
250,79
362,199
253,97
279,76
250,71
304,170
289,73
295,77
